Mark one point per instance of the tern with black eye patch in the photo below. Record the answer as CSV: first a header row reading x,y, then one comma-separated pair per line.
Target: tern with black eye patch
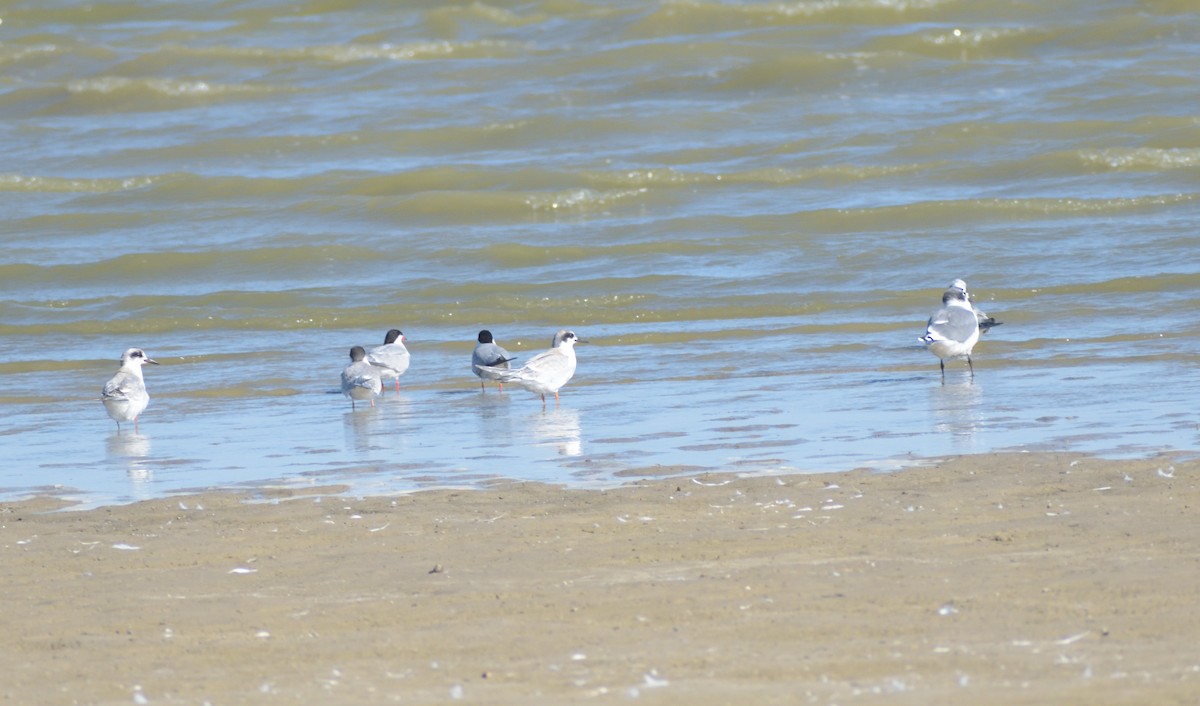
x,y
124,395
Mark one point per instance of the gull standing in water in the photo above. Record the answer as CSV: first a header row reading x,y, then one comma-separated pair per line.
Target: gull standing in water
x,y
391,358
360,379
545,372
488,354
124,395
953,330
985,322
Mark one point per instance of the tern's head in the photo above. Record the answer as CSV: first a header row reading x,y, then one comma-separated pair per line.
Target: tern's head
x,y
954,295
358,353
565,338
393,335
485,336
962,287
135,357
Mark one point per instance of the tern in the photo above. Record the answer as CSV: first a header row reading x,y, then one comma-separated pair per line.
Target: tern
x,y
953,330
488,354
391,358
124,395
547,371
360,379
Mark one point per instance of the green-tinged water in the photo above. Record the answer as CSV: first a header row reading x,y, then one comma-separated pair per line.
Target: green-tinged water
x,y
748,209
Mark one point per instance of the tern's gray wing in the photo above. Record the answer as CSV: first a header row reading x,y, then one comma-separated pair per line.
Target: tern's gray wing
x,y
546,362
546,371
952,323
985,321
360,374
393,356
490,354
123,386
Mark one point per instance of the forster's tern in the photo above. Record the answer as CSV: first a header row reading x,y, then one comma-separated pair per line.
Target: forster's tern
x,y
547,371
985,321
391,358
124,395
488,354
953,330
360,379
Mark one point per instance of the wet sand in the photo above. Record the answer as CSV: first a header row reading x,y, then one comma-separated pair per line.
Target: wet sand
x,y
1002,579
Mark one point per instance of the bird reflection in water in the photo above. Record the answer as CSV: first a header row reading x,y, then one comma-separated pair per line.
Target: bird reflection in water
x,y
956,409
559,427
132,452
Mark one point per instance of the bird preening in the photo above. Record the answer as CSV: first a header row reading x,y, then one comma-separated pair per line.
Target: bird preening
x,y
954,329
361,380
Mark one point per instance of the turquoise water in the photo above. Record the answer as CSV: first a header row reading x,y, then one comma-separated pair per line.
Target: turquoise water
x,y
747,209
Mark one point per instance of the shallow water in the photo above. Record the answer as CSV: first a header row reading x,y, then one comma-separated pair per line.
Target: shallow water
x,y
747,209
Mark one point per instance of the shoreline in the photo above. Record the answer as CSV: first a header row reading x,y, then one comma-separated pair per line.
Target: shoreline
x,y
999,578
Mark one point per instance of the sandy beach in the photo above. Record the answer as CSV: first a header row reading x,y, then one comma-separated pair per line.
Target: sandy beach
x,y
1001,579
